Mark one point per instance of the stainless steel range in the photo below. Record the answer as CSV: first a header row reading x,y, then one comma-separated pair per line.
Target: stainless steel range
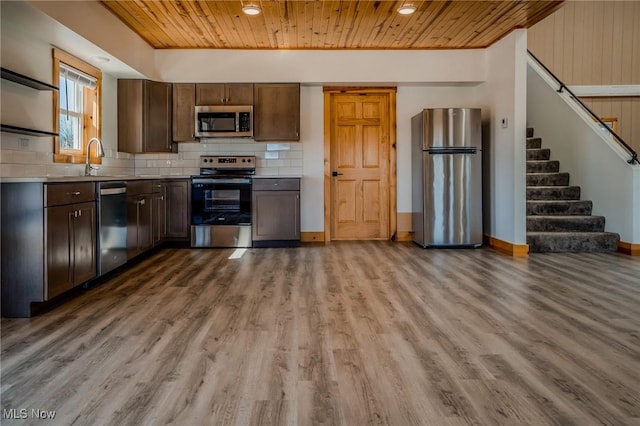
x,y
221,201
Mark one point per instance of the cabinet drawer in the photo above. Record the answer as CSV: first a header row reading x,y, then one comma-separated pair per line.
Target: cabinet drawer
x,y
68,193
276,184
138,187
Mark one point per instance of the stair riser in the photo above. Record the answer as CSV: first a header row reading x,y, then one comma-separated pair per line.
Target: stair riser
x,y
548,179
543,166
572,243
553,193
579,224
534,143
580,208
538,154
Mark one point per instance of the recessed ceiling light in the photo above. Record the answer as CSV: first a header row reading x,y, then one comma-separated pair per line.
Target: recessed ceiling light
x,y
406,9
251,10
100,59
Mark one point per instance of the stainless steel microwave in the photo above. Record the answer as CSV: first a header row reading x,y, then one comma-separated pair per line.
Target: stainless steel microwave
x,y
224,121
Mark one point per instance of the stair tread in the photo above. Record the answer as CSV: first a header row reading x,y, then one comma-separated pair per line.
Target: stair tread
x,y
548,173
551,186
570,234
563,217
558,201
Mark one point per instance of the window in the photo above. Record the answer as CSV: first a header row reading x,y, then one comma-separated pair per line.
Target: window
x,y
76,108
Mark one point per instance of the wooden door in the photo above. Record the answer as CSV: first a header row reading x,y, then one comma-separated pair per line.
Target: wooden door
x,y
359,166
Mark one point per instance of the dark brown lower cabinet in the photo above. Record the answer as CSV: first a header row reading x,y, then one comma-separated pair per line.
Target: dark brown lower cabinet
x,y
159,213
139,217
276,212
71,246
178,209
48,242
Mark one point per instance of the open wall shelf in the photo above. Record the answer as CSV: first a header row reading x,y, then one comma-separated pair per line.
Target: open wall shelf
x,y
26,81
25,131
34,84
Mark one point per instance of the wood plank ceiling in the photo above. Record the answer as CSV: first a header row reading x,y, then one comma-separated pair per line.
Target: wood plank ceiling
x,y
452,24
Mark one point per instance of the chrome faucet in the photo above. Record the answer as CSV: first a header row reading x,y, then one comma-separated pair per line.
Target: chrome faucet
x,y
88,167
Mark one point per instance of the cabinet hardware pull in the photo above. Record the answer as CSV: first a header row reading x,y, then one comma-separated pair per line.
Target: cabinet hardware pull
x,y
79,213
75,193
336,174
142,202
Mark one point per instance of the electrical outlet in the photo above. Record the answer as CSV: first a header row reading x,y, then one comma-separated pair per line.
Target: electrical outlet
x,y
504,122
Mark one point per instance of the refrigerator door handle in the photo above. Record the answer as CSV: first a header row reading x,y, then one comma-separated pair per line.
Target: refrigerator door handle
x,y
452,151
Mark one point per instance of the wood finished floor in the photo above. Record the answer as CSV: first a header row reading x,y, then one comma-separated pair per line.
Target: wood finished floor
x,y
339,334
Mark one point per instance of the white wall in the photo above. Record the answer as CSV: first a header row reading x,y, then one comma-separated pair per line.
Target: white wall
x,y
86,29
26,47
322,66
595,163
504,156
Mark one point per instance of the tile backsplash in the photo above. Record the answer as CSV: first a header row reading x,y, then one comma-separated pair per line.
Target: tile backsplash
x,y
280,159
33,157
27,156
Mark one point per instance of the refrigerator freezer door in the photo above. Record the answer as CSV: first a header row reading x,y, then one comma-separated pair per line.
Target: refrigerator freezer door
x,y
452,199
452,127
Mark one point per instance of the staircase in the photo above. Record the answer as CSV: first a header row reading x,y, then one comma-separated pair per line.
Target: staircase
x,y
557,220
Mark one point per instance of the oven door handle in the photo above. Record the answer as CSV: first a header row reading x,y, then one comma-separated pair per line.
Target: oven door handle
x,y
242,181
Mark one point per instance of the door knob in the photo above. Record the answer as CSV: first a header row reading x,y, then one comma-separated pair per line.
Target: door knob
x,y
336,174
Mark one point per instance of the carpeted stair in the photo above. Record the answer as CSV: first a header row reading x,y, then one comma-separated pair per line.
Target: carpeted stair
x,y
557,220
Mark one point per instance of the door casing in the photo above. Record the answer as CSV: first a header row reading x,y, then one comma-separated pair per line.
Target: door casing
x,y
391,93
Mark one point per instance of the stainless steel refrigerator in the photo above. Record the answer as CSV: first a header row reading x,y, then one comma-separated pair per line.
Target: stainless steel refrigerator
x,y
447,177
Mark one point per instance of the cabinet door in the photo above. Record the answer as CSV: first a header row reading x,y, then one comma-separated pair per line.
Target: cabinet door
x,y
145,223
184,102
224,94
178,209
276,215
139,225
59,250
130,115
84,242
159,215
210,94
276,112
132,226
239,94
157,117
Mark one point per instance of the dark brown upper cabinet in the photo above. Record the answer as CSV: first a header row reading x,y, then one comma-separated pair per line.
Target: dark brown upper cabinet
x,y
184,103
144,116
224,94
276,112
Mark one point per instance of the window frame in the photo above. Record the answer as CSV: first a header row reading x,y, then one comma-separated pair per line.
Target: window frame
x,y
92,111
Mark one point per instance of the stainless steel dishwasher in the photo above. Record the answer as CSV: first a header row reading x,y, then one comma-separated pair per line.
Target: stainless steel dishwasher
x,y
112,223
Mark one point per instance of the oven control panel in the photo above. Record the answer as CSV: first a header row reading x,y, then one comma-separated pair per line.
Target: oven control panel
x,y
228,162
